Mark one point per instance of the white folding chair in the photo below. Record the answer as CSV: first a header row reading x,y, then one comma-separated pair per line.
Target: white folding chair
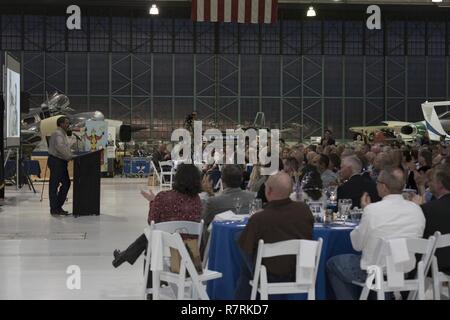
x,y
307,253
376,273
188,227
155,172
439,278
180,280
164,171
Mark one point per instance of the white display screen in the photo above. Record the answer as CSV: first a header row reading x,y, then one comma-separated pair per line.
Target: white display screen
x,y
12,104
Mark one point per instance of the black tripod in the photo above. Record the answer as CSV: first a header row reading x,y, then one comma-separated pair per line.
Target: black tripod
x,y
24,176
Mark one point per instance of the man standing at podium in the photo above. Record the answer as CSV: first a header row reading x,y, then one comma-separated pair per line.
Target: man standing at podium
x,y
59,155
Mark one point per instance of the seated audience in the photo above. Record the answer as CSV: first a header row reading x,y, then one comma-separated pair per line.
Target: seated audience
x,y
182,203
393,217
280,220
322,162
327,140
425,160
162,154
261,194
335,162
437,212
226,199
355,183
312,185
291,167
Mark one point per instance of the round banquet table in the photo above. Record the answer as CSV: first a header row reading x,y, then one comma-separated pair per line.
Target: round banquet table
x,y
225,257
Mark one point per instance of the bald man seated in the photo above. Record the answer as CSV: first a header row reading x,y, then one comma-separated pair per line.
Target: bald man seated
x,y
280,220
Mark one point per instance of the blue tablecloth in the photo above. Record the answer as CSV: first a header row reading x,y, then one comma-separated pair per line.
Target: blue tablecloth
x,y
31,167
225,257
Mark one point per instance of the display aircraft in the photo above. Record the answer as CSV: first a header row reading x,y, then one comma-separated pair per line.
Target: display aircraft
x,y
409,131
41,122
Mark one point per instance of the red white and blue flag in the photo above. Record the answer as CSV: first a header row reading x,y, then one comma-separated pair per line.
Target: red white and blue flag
x,y
241,11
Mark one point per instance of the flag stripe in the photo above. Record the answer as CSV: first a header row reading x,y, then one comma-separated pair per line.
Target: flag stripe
x,y
207,10
234,10
261,11
227,11
200,10
241,11
268,12
248,11
194,10
221,11
214,6
274,11
255,11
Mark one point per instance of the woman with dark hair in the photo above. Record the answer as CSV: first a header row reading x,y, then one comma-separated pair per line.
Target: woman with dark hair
x,y
182,203
312,184
425,161
335,162
261,193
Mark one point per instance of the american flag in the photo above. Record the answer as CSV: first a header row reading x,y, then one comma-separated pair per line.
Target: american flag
x,y
241,11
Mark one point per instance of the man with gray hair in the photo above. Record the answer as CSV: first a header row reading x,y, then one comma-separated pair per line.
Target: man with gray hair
x,y
280,220
355,184
391,218
437,211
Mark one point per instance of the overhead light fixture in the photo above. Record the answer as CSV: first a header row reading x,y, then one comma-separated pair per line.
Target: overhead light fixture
x,y
311,12
436,0
153,10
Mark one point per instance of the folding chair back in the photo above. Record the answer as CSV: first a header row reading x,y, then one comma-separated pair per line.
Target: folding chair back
x,y
416,286
155,171
173,240
307,254
166,168
439,278
176,227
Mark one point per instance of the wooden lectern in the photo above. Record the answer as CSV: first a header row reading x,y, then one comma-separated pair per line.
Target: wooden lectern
x,y
86,184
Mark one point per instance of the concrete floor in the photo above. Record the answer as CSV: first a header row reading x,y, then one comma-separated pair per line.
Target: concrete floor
x,y
36,249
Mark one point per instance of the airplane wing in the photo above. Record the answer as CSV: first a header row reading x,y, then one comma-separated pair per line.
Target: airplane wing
x,y
367,129
434,126
396,124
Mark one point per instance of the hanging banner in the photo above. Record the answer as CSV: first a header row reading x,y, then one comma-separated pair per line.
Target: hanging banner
x,y
96,138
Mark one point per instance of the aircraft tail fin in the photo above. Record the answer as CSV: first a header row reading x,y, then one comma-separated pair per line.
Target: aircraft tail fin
x,y
432,122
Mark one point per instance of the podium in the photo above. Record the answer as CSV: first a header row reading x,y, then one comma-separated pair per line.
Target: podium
x,y
86,184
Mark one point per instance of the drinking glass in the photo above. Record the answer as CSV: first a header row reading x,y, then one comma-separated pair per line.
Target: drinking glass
x,y
258,204
333,193
344,206
251,208
356,215
238,205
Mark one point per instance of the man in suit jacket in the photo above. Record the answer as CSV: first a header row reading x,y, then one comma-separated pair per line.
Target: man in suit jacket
x,y
226,200
356,183
437,212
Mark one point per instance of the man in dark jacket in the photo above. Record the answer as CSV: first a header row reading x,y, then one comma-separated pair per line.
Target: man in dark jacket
x,y
437,212
327,140
355,183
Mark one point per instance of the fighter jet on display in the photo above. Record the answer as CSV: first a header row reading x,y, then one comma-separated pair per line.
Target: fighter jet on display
x,y
41,122
409,131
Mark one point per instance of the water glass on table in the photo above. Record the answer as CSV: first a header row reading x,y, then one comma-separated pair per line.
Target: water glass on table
x,y
356,214
344,207
238,205
254,206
